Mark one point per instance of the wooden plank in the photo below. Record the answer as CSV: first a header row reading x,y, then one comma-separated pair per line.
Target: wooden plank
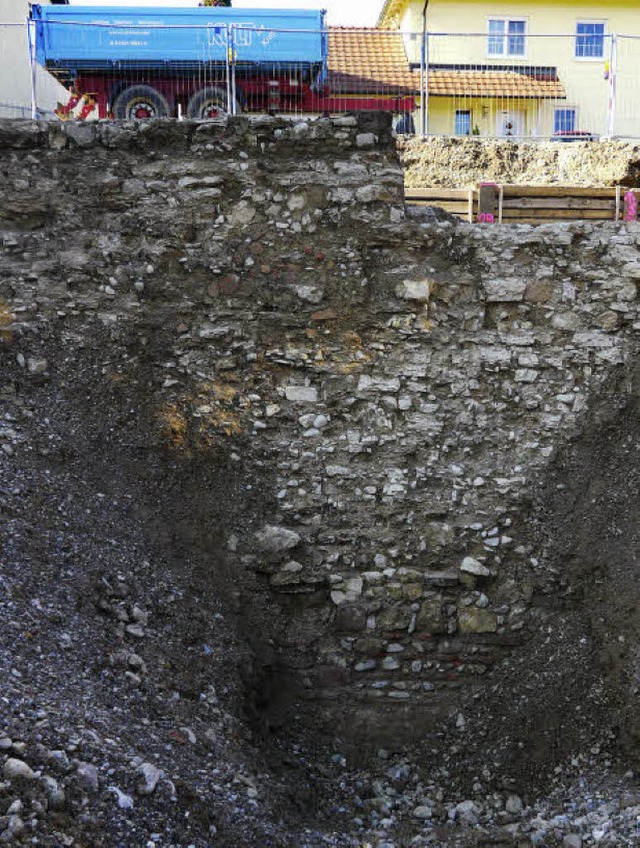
x,y
559,203
436,193
539,221
525,204
454,206
558,191
461,216
535,221
558,214
487,203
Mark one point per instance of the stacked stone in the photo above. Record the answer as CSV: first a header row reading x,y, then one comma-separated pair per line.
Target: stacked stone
x,y
392,389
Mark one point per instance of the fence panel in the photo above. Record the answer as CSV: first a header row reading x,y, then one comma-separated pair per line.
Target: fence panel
x,y
133,70
15,79
499,84
513,86
344,69
625,85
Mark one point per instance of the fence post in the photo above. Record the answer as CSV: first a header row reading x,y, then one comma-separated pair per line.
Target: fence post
x,y
34,69
234,96
424,85
613,73
229,52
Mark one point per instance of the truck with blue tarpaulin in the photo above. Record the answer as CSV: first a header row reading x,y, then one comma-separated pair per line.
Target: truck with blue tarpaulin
x,y
154,62
144,62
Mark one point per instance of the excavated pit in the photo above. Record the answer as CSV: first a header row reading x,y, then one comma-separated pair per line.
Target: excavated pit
x,y
312,516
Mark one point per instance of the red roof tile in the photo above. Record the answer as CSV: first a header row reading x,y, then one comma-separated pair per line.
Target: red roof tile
x,y
374,61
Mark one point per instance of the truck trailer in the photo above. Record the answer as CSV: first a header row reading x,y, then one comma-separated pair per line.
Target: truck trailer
x,y
199,63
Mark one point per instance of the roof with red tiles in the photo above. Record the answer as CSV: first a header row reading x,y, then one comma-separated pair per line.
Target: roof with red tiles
x,y
371,60
500,83
374,61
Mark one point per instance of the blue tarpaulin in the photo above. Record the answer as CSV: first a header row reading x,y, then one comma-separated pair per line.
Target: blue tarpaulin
x,y
94,37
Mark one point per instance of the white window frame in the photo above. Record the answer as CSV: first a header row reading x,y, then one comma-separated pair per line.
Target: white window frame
x,y
466,112
605,34
566,107
505,36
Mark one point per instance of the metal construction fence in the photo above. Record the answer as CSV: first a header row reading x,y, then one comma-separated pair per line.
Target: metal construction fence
x,y
517,85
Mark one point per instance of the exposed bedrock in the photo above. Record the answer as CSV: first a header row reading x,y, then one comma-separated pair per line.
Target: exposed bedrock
x,y
402,456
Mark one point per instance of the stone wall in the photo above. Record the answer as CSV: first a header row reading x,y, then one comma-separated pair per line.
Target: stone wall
x,y
383,396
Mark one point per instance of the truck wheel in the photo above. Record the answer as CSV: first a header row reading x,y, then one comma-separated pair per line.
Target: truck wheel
x,y
139,102
209,103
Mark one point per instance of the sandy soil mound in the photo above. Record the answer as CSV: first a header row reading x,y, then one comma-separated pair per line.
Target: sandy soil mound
x,y
461,162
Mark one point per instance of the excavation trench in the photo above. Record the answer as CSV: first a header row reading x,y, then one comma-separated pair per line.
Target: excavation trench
x,y
291,479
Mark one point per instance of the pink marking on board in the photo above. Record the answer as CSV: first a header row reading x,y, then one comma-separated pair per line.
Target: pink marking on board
x,y
630,206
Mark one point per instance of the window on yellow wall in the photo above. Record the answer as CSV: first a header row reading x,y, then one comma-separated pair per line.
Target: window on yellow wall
x,y
463,122
506,36
590,40
564,121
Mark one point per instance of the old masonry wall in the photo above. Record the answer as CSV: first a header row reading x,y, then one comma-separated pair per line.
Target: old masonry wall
x,y
390,392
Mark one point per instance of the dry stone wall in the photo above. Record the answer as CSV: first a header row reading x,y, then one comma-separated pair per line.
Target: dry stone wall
x,y
394,390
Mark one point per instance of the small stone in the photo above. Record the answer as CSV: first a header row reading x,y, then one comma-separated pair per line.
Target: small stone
x,y
55,795
17,770
473,566
474,620
572,840
275,540
136,663
14,828
149,775
504,290
139,615
365,140
88,776
418,291
242,214
37,366
514,804
301,394
422,812
311,294
125,802
467,811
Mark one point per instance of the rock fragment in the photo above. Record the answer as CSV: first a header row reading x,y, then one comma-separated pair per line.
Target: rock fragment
x,y
15,769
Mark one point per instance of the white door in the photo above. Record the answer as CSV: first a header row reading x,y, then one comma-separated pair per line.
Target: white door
x,y
510,124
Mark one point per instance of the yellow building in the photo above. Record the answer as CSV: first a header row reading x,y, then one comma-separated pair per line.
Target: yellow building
x,y
525,67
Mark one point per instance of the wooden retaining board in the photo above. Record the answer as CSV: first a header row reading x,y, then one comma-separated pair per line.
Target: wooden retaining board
x,y
525,204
